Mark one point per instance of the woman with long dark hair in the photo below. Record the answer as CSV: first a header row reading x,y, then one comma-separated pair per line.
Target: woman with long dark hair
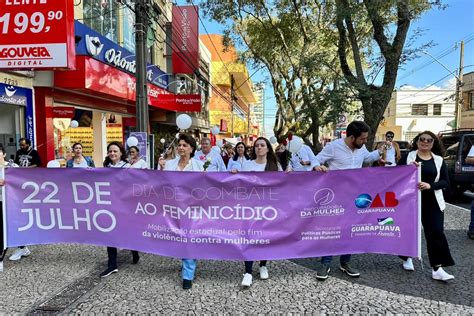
x,y
264,159
428,152
184,162
239,158
116,158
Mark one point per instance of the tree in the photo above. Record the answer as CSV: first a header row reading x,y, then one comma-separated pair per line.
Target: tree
x,y
390,21
295,41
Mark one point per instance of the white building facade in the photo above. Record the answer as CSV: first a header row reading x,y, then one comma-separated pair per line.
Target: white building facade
x,y
413,111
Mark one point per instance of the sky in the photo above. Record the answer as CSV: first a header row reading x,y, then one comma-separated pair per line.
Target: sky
x,y
445,28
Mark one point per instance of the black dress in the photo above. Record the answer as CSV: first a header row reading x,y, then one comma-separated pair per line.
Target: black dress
x,y
432,218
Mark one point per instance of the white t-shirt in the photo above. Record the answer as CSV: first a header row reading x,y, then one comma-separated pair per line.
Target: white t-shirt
x,y
390,157
140,164
236,164
252,165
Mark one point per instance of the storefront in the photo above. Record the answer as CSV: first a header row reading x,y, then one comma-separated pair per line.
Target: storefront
x,y
99,95
16,116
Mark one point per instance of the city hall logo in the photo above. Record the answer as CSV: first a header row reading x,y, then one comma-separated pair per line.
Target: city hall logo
x,y
366,204
385,227
324,206
93,45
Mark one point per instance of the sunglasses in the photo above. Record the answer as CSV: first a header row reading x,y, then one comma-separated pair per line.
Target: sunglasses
x,y
389,136
426,140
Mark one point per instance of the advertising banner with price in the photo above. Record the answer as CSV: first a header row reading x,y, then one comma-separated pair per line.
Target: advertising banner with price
x,y
36,34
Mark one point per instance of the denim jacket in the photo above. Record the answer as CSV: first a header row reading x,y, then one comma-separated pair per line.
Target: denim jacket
x,y
90,162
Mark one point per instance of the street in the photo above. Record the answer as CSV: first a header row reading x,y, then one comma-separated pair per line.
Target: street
x,y
64,279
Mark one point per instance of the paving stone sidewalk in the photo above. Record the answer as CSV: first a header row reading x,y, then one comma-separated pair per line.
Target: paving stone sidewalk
x,y
64,279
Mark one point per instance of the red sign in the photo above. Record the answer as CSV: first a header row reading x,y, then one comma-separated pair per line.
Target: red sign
x,y
94,77
180,102
36,34
185,34
63,111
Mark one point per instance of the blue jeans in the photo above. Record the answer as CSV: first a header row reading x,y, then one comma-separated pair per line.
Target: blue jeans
x,y
189,267
471,225
344,259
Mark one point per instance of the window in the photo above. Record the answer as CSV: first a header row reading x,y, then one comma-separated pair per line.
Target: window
x,y
471,101
436,109
419,109
102,16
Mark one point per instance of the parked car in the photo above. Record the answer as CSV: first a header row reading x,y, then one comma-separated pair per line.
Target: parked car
x,y
457,144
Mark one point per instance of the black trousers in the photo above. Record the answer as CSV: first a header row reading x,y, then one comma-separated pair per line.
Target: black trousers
x,y
432,219
2,242
249,265
112,254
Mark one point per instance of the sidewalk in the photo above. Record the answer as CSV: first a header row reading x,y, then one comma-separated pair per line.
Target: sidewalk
x,y
64,279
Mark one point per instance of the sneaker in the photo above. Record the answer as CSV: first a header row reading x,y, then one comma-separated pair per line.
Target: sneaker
x,y
108,272
20,252
263,273
187,284
247,280
470,234
350,271
441,275
323,272
408,265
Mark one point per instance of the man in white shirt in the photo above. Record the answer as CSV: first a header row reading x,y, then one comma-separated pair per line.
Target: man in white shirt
x,y
205,154
347,153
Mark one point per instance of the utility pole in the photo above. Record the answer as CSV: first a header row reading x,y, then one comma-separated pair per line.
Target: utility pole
x,y
141,25
232,97
459,85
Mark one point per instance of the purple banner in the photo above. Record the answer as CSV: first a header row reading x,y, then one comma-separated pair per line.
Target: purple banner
x,y
252,216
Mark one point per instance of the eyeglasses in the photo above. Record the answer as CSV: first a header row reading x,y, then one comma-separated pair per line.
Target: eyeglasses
x,y
389,136
426,140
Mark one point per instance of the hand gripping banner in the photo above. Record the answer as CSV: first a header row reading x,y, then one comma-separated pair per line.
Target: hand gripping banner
x,y
245,216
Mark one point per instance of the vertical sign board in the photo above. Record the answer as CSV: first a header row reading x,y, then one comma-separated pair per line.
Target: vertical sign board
x,y
37,34
21,97
142,143
185,32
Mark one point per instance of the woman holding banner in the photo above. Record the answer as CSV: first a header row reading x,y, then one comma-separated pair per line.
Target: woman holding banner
x,y
264,159
116,158
3,164
428,153
239,158
184,162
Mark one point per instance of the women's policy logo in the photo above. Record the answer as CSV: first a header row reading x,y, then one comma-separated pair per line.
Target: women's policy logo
x,y
365,201
323,198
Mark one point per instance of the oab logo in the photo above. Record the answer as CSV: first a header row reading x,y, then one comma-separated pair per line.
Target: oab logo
x,y
366,204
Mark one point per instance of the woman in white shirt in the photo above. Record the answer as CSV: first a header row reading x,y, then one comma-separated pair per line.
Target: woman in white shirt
x,y
184,162
3,164
116,158
239,158
264,160
136,161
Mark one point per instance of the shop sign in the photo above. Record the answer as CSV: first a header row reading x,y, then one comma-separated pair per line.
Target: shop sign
x,y
23,97
63,111
180,102
185,32
36,34
102,49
